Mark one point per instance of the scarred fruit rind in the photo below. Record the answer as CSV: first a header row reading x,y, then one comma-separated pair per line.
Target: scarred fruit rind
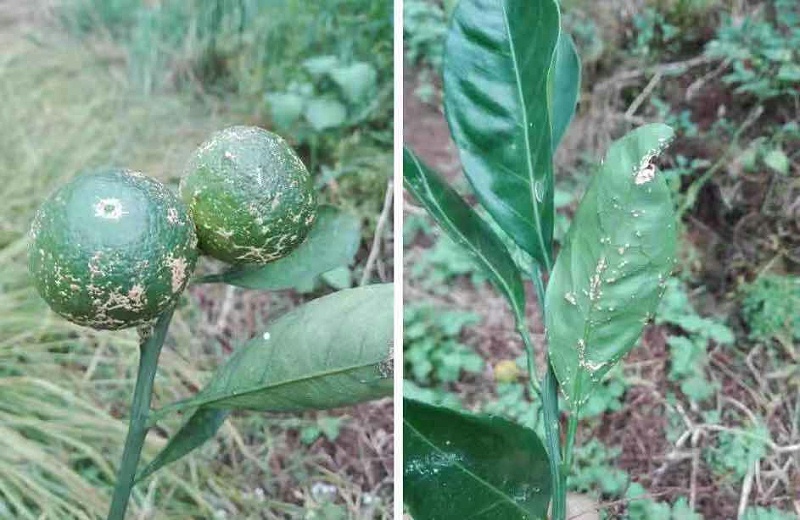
x,y
250,196
112,249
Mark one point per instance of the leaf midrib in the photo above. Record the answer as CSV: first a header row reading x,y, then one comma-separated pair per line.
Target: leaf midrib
x,y
288,382
465,470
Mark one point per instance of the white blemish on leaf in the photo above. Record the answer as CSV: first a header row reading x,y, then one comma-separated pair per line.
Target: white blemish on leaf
x,y
570,297
591,367
266,336
595,280
645,174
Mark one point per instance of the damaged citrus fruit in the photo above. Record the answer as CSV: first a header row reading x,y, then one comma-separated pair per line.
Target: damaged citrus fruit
x,y
250,196
112,249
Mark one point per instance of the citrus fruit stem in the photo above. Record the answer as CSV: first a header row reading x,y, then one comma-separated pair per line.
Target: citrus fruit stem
x,y
150,348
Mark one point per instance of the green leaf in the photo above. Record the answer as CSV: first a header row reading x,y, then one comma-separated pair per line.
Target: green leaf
x,y
333,351
285,108
323,114
457,465
357,81
319,66
331,243
789,72
201,426
566,77
498,58
466,228
612,270
777,160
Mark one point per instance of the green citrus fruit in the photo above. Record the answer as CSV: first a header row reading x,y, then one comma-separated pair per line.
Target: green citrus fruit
x,y
112,249
250,196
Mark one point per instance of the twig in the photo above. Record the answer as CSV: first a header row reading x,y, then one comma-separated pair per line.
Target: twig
x,y
697,84
668,69
643,95
747,486
376,240
693,478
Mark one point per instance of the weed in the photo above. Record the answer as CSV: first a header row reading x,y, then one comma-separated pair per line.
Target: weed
x,y
654,34
681,122
432,349
608,395
736,453
684,168
642,507
587,35
769,308
443,262
330,97
763,51
424,30
434,396
688,359
594,471
413,226
323,426
512,402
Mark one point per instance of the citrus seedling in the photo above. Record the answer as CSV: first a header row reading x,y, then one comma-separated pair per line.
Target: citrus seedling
x,y
111,249
250,196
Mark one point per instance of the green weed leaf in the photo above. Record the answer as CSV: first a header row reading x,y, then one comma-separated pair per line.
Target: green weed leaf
x,y
357,81
457,465
324,114
331,243
286,108
612,270
497,63
333,351
466,228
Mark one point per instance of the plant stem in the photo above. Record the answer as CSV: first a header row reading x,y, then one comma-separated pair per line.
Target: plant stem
x,y
522,329
553,439
150,348
572,428
558,473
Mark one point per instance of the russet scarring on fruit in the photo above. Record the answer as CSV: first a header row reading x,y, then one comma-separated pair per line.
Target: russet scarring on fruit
x,y
250,196
111,249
